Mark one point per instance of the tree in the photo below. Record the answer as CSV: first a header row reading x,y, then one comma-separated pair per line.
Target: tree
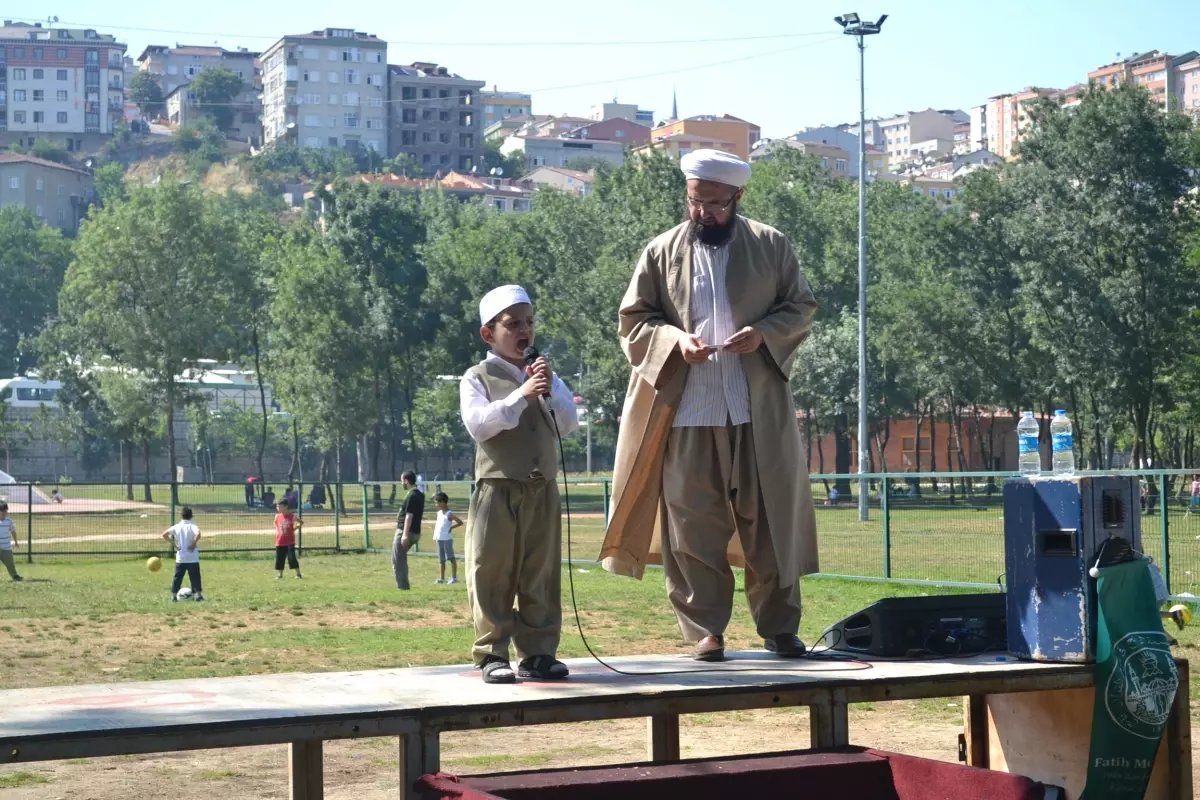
x,y
147,94
33,261
323,363
202,145
134,407
214,90
13,434
513,164
439,427
50,151
1100,190
151,290
109,182
404,165
602,166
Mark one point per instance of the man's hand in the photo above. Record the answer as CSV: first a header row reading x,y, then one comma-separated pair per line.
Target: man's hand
x,y
694,350
404,540
747,340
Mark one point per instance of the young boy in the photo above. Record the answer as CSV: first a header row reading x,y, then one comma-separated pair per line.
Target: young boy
x,y
286,525
184,537
447,521
514,525
8,540
408,528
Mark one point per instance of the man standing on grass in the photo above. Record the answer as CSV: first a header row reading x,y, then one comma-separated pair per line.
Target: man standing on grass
x,y
708,444
408,528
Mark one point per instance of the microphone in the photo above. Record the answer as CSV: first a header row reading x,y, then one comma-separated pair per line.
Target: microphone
x,y
531,355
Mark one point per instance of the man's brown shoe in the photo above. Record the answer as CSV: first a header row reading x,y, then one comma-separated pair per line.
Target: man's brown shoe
x,y
710,648
787,645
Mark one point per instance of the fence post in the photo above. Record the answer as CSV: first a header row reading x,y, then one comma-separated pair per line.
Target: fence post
x,y
606,499
366,520
337,523
886,512
29,526
300,516
1165,529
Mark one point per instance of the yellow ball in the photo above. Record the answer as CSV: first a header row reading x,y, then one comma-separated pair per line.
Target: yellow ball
x,y
154,563
1185,612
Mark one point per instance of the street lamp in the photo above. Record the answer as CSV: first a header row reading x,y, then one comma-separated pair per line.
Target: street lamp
x,y
852,25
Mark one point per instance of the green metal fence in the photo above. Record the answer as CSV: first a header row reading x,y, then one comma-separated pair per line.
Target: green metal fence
x,y
936,527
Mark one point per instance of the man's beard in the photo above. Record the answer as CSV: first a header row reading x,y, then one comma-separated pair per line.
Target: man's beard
x,y
718,233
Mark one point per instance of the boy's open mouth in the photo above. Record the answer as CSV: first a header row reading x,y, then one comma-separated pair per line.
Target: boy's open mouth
x,y
522,343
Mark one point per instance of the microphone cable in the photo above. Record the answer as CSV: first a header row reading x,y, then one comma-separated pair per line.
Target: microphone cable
x,y
852,664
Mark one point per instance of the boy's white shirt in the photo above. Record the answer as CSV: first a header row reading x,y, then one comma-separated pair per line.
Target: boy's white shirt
x,y
485,418
183,534
8,530
444,526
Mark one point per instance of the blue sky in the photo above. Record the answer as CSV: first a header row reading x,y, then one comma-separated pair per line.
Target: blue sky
x,y
931,53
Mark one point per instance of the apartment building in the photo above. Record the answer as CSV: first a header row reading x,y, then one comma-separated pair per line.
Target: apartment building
x,y
1188,86
565,180
617,129
499,105
1164,75
898,136
176,67
738,134
56,193
326,89
838,161
555,151
1007,118
615,110
66,85
434,117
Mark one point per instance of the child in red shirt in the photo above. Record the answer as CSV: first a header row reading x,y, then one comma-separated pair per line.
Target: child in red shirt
x,y
285,539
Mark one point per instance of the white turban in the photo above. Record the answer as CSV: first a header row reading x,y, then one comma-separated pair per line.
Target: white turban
x,y
716,166
498,299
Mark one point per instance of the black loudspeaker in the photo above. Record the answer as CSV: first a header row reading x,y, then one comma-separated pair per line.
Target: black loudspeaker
x,y
915,627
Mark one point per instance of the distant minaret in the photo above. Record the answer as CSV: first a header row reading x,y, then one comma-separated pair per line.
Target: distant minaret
x,y
674,104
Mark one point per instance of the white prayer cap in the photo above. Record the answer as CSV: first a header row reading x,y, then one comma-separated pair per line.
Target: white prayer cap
x,y
717,166
498,299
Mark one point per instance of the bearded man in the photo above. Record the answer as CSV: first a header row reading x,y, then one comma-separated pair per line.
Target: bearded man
x,y
709,445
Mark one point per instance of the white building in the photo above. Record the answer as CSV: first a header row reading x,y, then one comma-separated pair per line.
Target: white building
x,y
66,85
327,89
551,151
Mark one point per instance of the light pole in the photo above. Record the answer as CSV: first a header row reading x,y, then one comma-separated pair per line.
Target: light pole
x,y
852,25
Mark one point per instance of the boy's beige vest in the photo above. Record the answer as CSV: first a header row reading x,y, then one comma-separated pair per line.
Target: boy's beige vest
x,y
526,452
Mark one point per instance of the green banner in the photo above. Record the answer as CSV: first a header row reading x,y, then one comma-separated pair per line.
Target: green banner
x,y
1136,679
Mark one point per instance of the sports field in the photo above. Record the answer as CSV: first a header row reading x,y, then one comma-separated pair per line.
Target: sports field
x,y
84,621
930,538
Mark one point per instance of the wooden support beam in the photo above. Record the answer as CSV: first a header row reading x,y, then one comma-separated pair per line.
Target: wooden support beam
x,y
420,754
306,771
975,730
829,721
1179,740
662,738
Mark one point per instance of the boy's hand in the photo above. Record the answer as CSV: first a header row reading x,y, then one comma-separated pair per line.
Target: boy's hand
x,y
538,383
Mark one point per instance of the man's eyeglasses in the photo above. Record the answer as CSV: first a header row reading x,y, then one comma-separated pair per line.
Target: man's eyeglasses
x,y
710,206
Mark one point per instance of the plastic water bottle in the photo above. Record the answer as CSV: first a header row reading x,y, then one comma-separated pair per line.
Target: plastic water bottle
x,y
1064,444
1030,460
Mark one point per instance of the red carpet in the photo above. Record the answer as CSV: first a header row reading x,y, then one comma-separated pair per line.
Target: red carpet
x,y
851,773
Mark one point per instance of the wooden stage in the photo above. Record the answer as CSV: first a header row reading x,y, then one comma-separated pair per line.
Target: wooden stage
x,y
417,704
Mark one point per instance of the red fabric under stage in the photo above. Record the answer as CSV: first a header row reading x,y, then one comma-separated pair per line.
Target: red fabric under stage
x,y
851,773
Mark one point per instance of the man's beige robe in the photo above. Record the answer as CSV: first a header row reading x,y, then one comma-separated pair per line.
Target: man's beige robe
x,y
767,291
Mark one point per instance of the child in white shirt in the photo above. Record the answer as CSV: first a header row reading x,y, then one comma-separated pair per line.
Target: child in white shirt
x,y
8,540
185,541
443,534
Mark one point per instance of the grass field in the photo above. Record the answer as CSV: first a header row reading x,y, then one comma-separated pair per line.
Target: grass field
x,y
91,621
930,538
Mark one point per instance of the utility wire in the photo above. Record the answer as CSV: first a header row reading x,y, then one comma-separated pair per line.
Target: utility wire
x,y
419,43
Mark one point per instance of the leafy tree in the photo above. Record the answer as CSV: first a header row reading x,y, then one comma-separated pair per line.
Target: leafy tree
x,y
202,145
51,151
33,261
147,94
439,427
404,165
215,89
134,405
13,434
109,182
513,164
151,290
1099,190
